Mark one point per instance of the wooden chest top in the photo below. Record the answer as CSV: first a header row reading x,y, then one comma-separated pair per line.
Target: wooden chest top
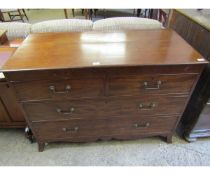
x,y
102,49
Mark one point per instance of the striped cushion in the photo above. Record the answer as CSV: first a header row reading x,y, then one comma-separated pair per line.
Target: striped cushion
x,y
8,10
16,29
126,23
62,25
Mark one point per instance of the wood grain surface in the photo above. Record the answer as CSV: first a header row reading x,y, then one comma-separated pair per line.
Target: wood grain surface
x,y
102,49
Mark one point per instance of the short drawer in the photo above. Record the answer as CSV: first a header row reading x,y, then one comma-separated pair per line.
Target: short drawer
x,y
147,84
64,89
105,107
107,127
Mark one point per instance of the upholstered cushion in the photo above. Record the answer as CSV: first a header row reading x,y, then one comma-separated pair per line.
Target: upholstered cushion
x,y
8,10
126,23
62,25
16,29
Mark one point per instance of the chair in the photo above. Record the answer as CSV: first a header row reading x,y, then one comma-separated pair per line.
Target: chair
x,y
147,13
126,23
163,16
62,25
84,12
12,14
92,12
16,29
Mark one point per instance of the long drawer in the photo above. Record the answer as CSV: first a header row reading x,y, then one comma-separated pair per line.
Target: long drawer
x,y
63,89
156,84
106,127
105,107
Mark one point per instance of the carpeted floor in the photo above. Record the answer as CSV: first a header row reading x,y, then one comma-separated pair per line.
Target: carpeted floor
x,y
38,15
15,149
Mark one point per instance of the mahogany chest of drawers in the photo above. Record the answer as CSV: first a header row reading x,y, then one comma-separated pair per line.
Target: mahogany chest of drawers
x,y
82,87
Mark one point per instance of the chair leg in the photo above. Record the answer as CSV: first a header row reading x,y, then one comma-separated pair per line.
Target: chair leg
x,y
151,13
72,10
86,13
138,12
20,14
2,17
90,13
25,14
104,12
10,16
145,13
66,13
169,138
41,146
95,10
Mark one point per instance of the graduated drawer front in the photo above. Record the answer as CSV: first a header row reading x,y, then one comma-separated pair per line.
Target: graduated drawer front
x,y
104,127
63,89
151,105
105,108
65,110
156,84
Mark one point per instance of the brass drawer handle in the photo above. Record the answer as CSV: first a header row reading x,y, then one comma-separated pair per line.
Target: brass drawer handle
x,y
74,129
152,88
67,90
70,111
146,125
147,107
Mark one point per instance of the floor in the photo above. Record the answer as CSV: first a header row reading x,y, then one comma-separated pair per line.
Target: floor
x,y
38,15
15,149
